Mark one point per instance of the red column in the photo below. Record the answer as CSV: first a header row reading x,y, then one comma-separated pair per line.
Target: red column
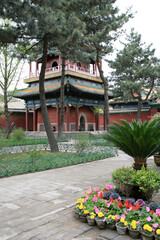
x,y
104,121
34,119
67,117
36,68
58,112
97,121
27,119
77,116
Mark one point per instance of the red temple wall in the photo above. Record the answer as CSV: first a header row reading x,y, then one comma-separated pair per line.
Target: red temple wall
x,y
18,119
89,117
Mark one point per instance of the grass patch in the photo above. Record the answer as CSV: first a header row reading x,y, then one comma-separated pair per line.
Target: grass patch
x,y
28,141
19,163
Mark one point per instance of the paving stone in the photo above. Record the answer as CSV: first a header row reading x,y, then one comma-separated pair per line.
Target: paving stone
x,y
11,206
123,237
6,233
109,234
100,238
82,238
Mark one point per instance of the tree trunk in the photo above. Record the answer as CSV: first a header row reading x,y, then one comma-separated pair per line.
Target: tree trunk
x,y
47,124
60,132
139,163
139,110
106,98
6,113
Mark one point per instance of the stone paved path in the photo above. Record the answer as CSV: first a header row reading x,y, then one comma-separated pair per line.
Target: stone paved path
x,y
39,206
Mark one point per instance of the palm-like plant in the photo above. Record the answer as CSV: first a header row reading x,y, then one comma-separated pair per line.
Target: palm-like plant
x,y
138,140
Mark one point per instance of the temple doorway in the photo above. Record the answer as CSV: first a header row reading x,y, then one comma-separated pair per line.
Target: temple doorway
x,y
82,123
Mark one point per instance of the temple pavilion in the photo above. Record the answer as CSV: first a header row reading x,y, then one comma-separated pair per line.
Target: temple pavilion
x,y
83,93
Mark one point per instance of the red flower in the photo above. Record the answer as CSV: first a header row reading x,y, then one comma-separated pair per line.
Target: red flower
x,y
112,200
104,190
152,212
127,204
120,205
101,195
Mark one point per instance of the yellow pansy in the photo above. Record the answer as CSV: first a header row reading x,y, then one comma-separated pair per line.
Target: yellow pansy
x,y
86,212
81,207
125,223
92,213
113,217
133,226
100,214
158,231
109,216
147,227
122,220
92,217
133,222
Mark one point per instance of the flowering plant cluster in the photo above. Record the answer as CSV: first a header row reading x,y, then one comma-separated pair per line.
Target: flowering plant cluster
x,y
137,215
122,222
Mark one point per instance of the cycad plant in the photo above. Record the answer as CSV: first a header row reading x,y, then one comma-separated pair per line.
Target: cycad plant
x,y
138,140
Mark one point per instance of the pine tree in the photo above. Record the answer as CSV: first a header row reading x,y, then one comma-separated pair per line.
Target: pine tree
x,y
136,70
103,22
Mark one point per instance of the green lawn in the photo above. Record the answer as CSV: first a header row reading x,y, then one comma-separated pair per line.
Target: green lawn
x,y
28,141
19,163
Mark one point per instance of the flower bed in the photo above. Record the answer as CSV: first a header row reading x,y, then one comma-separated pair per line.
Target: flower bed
x,y
106,207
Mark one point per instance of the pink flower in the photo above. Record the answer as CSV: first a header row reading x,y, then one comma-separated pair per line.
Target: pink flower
x,y
94,199
104,219
108,187
89,188
117,217
157,212
147,209
123,216
96,209
96,189
119,198
149,219
109,204
155,225
137,222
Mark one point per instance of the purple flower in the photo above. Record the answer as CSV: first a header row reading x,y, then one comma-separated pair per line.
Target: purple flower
x,y
141,202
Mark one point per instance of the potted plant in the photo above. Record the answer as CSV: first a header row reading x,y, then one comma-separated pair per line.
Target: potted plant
x,y
134,229
100,220
121,226
91,219
79,207
156,117
147,232
111,222
138,140
144,183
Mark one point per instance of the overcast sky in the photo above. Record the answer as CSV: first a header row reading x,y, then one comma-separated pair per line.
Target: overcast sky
x,y
146,22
